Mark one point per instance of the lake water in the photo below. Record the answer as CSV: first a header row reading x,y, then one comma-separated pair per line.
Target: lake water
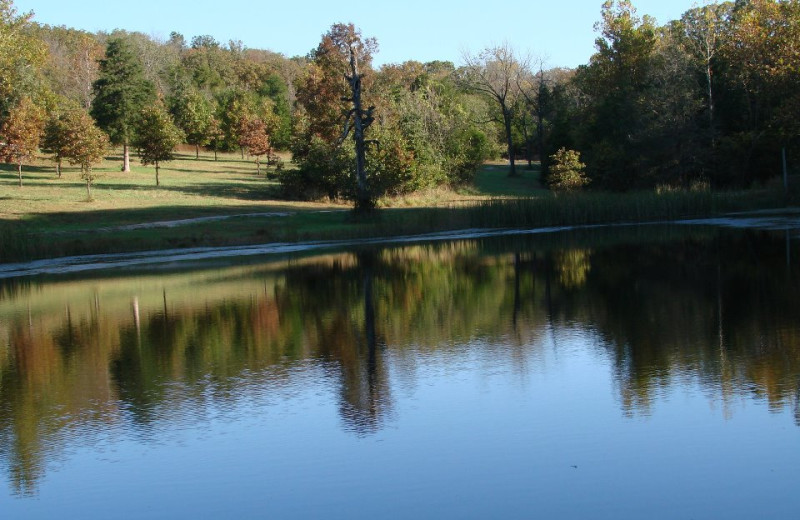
x,y
644,372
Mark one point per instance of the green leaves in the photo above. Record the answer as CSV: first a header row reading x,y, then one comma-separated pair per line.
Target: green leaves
x,y
121,91
156,135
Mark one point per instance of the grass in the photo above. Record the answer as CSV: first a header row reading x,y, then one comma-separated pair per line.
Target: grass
x,y
50,217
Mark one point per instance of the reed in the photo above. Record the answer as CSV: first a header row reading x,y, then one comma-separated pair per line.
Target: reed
x,y
600,208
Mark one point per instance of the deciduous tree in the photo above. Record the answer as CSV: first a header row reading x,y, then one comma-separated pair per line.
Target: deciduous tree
x,y
614,83
253,136
54,140
156,137
21,56
340,71
193,114
84,145
497,72
20,134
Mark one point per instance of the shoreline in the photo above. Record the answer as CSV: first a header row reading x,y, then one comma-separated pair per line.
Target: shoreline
x,y
767,220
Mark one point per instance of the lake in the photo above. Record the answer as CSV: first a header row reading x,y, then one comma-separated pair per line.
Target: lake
x,y
625,372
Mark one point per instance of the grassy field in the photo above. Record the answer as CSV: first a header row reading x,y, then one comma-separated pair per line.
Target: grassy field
x,y
51,217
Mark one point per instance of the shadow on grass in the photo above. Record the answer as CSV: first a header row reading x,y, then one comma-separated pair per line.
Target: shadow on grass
x,y
264,192
65,222
222,170
11,169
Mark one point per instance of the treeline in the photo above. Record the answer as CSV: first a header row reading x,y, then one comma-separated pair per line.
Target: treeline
x,y
710,99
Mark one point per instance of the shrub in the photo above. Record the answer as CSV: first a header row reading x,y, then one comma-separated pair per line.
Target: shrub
x,y
566,171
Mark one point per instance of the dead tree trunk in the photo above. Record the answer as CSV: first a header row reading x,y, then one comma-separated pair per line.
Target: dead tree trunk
x,y
361,121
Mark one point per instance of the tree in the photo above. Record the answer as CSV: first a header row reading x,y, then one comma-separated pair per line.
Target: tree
x,y
83,144
615,81
233,106
253,136
567,171
156,137
361,120
321,91
193,114
20,134
121,92
704,30
536,96
496,73
216,137
54,140
761,61
72,62
21,56
340,71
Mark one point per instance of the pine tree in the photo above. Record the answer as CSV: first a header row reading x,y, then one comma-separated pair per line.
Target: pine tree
x,y
121,92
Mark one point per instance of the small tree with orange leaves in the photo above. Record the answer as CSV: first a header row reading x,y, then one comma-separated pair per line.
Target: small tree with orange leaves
x,y
20,134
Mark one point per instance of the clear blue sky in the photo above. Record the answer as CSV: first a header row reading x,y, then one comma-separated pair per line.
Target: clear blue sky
x,y
424,30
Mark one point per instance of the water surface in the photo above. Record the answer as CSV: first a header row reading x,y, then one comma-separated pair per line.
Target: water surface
x,y
640,373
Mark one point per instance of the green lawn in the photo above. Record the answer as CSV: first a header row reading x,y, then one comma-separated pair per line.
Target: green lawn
x,y
49,216
493,180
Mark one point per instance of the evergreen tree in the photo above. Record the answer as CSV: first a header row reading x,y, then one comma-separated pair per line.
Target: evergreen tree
x,y
121,92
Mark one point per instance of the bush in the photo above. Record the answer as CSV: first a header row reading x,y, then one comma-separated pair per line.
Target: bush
x,y
323,170
566,171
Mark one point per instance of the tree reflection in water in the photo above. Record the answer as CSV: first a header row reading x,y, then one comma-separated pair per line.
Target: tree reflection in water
x,y
148,351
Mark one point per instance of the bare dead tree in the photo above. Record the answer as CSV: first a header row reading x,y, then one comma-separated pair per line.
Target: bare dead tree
x,y
358,120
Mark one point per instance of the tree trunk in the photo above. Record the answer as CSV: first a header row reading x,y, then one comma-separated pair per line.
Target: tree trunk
x,y
362,198
197,151
710,87
157,173
126,158
241,149
258,166
58,167
529,153
88,189
544,159
19,173
215,154
512,171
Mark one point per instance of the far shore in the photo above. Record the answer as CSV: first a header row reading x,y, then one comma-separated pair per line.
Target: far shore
x,y
203,203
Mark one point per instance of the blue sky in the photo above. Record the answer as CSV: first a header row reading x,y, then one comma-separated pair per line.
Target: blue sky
x,y
561,32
